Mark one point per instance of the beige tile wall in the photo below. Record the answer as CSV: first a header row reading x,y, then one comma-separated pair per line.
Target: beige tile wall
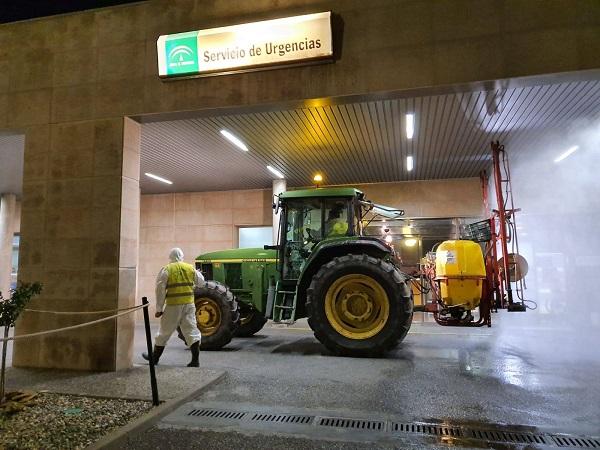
x,y
197,222
461,197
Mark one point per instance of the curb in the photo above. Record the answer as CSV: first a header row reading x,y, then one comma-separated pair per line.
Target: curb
x,y
115,439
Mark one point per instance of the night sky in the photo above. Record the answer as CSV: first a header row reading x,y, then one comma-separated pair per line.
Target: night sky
x,y
13,10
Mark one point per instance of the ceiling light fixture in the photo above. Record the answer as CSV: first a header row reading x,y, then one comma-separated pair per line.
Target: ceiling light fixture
x,y
275,172
235,140
156,177
410,163
410,125
410,242
318,179
567,153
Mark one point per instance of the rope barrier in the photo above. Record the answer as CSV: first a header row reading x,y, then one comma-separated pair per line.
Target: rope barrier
x,y
81,312
73,327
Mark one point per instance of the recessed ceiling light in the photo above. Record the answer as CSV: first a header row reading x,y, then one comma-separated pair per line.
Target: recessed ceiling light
x,y
410,126
235,140
156,177
275,172
410,163
567,153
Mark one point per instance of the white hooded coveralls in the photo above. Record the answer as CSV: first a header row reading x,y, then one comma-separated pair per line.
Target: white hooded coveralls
x,y
173,316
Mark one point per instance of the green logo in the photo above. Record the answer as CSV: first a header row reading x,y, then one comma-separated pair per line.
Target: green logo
x,y
182,55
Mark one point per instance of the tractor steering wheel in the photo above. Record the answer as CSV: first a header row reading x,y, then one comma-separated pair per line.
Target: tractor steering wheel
x,y
310,236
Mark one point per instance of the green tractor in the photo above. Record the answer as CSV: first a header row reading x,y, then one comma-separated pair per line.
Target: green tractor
x,y
357,301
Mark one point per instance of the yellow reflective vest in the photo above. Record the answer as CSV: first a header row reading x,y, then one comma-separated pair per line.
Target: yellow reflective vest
x,y
337,227
180,286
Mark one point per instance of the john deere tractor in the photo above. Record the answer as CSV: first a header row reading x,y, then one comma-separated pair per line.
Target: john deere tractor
x,y
357,301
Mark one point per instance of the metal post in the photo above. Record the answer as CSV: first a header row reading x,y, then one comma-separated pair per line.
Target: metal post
x,y
153,385
496,150
3,370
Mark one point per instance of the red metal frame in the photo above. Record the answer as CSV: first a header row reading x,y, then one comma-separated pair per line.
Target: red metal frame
x,y
502,214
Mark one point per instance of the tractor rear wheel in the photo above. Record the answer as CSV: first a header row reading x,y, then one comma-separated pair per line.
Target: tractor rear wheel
x,y
359,306
217,315
251,322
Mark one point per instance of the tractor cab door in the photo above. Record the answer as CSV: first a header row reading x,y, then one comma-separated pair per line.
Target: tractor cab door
x,y
302,226
308,221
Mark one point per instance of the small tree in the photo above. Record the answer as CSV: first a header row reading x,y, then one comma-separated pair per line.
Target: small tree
x,y
10,309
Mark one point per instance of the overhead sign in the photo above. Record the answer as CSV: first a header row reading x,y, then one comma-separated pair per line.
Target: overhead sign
x,y
250,46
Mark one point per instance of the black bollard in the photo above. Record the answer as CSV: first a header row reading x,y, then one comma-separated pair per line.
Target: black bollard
x,y
153,385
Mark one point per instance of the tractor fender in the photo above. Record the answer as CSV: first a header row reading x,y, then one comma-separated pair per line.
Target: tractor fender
x,y
326,250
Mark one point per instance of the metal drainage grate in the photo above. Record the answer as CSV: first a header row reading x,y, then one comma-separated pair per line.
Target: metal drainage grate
x,y
217,414
283,418
384,426
436,430
355,424
566,441
506,436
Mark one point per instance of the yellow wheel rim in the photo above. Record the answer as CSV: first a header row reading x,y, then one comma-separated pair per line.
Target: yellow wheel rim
x,y
357,306
208,315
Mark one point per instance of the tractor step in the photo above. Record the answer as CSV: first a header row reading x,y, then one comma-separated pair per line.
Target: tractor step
x,y
284,306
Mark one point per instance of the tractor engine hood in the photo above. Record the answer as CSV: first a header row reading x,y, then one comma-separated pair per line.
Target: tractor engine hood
x,y
239,255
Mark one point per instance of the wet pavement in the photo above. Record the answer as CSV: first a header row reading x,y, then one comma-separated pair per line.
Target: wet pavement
x,y
523,371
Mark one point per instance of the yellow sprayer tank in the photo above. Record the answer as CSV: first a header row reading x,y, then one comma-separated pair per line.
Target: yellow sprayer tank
x,y
460,269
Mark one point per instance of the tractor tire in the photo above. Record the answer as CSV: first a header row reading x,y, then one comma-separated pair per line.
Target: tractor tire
x,y
251,322
359,306
217,315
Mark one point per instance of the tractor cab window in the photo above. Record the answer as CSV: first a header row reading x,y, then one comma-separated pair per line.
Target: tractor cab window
x,y
302,232
336,218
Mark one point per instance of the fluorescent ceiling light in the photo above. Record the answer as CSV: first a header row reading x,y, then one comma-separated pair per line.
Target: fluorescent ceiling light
x,y
236,141
410,125
567,153
156,177
410,163
275,172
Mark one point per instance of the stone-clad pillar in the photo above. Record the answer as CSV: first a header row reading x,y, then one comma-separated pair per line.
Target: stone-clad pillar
x,y
79,226
7,212
279,186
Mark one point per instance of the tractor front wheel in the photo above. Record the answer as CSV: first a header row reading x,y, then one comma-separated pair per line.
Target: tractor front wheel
x,y
251,322
217,315
359,306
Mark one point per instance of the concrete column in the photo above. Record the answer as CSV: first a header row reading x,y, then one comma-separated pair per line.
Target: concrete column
x,y
279,186
79,238
8,208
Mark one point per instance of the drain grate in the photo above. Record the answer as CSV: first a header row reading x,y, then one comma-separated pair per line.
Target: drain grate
x,y
381,426
217,414
283,418
507,436
567,441
355,424
436,430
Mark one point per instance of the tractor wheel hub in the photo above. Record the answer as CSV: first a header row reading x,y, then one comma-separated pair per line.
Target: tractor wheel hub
x,y
357,306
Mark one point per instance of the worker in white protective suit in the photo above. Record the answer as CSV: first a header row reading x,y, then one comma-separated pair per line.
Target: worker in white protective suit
x,y
175,305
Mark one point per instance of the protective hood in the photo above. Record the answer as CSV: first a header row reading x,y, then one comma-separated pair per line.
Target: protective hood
x,y
176,255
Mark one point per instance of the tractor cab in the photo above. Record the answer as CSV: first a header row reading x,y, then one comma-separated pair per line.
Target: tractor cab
x,y
311,217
